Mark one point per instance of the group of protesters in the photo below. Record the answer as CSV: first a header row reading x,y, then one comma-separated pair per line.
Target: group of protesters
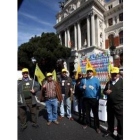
x,y
87,90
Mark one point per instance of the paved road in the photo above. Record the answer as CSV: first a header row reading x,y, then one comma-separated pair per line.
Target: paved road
x,y
66,130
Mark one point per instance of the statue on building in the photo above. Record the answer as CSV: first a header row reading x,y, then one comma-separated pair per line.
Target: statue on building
x,y
61,5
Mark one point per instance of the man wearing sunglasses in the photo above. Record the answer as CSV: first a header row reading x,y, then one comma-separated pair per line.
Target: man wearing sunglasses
x,y
26,98
114,92
92,91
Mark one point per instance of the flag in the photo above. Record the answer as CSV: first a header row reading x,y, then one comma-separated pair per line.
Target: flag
x,y
78,70
39,74
88,65
54,75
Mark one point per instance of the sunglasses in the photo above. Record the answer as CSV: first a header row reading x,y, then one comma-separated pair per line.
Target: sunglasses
x,y
89,71
25,72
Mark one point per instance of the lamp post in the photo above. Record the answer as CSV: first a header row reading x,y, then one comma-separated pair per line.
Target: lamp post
x,y
34,65
33,60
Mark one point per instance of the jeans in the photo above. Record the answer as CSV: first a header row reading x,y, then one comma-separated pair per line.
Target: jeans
x,y
51,106
66,101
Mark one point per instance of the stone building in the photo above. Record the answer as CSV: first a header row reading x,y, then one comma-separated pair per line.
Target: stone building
x,y
90,26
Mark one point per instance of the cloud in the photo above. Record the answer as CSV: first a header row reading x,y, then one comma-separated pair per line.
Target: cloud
x,y
36,19
26,31
52,4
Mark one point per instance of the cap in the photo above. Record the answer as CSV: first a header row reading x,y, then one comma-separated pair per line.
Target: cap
x,y
64,70
25,70
115,70
49,74
90,69
80,73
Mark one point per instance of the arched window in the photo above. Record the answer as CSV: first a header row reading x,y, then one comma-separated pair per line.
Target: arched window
x,y
121,37
111,40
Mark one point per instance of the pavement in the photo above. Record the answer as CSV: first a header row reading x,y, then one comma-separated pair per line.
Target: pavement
x,y
66,130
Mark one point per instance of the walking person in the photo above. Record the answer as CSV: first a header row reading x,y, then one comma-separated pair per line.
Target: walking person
x,y
92,91
67,92
26,98
52,96
114,92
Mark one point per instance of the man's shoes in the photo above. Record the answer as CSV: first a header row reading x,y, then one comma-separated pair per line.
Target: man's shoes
x,y
98,131
84,126
60,117
108,134
71,119
56,122
23,128
35,125
48,123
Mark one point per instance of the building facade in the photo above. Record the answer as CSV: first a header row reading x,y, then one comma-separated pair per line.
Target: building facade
x,y
90,26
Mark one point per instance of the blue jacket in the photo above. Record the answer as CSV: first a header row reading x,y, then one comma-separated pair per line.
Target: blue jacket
x,y
93,89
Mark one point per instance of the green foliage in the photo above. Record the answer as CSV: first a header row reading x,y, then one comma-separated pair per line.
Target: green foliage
x,y
46,49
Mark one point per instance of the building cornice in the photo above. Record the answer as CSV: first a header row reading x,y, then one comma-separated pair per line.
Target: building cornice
x,y
113,10
114,27
86,4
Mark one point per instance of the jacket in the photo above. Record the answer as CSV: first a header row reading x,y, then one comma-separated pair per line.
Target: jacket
x,y
21,99
67,85
58,92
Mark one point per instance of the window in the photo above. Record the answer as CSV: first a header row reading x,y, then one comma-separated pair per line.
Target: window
x,y
115,19
120,1
111,40
110,21
121,17
121,37
109,7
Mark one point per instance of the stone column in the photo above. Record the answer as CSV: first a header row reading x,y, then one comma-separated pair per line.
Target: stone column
x,y
75,36
88,32
98,32
114,21
66,38
60,38
79,35
92,30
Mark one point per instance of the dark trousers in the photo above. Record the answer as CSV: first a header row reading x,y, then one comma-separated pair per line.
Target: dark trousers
x,y
23,113
112,112
81,108
92,103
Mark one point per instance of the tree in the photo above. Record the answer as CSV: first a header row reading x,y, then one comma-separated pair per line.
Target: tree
x,y
46,49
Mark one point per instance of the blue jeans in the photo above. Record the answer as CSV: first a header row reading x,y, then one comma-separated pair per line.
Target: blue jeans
x,y
66,101
51,106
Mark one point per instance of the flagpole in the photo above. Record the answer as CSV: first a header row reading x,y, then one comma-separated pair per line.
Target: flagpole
x,y
33,80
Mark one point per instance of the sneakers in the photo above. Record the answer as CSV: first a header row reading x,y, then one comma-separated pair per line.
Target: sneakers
x,y
71,119
56,122
48,123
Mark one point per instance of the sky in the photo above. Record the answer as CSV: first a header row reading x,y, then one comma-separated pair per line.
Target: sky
x,y
35,17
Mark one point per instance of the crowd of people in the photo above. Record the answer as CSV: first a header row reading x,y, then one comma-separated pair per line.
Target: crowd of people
x,y
87,91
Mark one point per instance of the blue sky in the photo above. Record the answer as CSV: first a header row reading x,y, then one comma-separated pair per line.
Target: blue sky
x,y
35,17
